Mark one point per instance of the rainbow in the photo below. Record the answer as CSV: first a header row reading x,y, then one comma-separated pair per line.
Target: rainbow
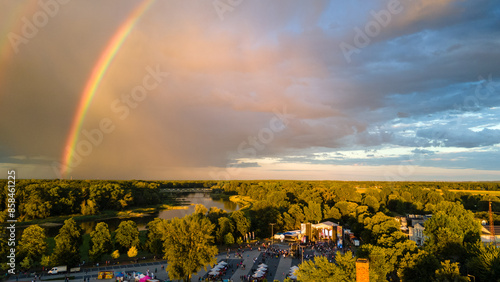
x,y
96,76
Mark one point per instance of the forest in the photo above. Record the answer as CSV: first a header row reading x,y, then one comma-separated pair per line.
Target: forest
x,y
452,251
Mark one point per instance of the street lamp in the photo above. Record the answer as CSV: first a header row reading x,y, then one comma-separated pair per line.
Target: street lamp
x,y
272,233
302,252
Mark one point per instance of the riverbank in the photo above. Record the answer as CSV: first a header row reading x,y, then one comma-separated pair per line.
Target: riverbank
x,y
103,215
245,202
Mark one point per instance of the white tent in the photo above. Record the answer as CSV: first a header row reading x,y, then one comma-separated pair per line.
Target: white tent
x,y
258,274
218,267
222,263
213,272
262,264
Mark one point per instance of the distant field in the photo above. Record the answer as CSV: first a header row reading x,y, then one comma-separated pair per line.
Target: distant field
x,y
362,190
473,192
478,192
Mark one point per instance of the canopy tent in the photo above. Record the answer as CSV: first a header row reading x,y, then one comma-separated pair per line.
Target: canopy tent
x,y
213,272
258,275
143,279
222,263
120,274
262,264
263,268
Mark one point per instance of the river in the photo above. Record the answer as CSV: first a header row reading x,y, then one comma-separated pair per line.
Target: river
x,y
188,199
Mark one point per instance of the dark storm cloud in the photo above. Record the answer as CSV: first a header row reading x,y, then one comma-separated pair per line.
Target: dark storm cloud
x,y
458,137
229,77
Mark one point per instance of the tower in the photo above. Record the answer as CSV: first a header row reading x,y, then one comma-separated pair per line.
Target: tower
x,y
362,270
492,226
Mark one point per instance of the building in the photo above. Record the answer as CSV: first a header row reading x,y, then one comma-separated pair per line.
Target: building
x,y
416,227
326,230
486,237
416,233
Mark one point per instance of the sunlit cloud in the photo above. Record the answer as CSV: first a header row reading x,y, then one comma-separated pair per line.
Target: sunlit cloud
x,y
423,91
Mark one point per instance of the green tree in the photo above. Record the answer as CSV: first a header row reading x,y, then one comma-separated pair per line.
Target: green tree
x,y
321,270
33,243
344,192
288,222
229,239
449,228
200,209
450,272
297,214
381,262
132,252
214,213
188,246
46,261
127,234
4,247
100,240
89,207
331,213
484,261
68,241
313,212
154,242
225,226
239,241
347,209
35,206
382,230
26,263
419,267
241,221
372,203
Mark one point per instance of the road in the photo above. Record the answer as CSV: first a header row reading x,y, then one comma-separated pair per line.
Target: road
x,y
278,267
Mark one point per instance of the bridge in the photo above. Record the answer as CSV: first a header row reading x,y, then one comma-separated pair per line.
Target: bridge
x,y
186,190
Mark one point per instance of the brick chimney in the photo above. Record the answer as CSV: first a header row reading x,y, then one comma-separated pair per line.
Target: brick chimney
x,y
362,270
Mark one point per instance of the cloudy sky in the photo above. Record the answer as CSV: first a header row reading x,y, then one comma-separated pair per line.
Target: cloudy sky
x,y
348,90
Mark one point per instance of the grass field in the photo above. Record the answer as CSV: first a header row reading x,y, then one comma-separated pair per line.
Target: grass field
x,y
478,192
245,202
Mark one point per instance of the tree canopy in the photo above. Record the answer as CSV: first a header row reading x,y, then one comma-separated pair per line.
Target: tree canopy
x,y
33,243
127,234
68,241
188,245
100,240
344,269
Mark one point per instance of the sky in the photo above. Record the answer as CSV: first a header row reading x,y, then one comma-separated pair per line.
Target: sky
x,y
315,90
